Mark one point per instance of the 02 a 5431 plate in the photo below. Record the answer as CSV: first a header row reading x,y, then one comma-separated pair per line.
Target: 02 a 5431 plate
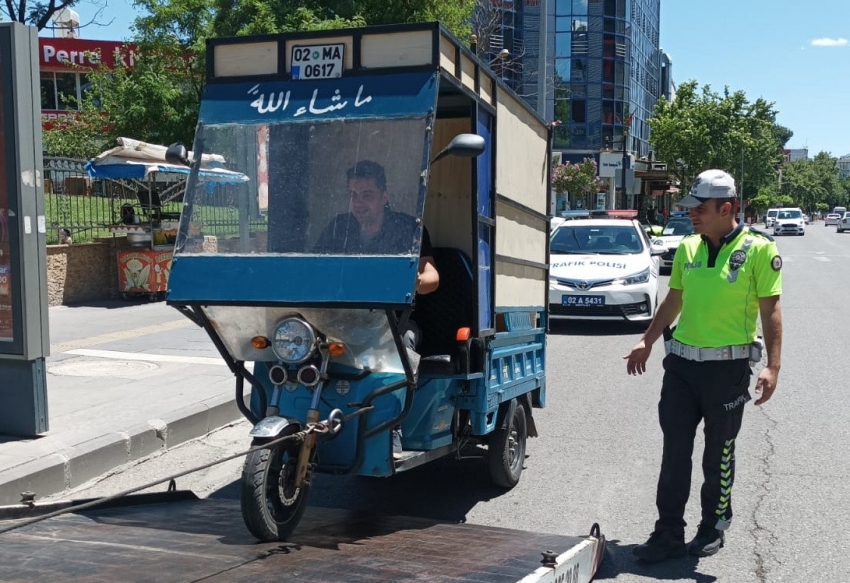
x,y
568,300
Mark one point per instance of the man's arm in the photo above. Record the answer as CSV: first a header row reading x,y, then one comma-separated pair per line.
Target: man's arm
x,y
427,278
664,316
771,323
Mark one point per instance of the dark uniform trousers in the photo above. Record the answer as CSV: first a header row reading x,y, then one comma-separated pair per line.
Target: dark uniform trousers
x,y
714,391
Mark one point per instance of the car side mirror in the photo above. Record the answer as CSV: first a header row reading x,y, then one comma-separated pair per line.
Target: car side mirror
x,y
656,250
463,145
177,154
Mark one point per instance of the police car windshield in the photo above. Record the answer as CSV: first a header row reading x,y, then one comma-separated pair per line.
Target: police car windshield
x,y
679,226
603,240
790,215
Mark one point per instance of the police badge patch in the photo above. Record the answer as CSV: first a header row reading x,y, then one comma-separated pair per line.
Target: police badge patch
x,y
776,263
737,260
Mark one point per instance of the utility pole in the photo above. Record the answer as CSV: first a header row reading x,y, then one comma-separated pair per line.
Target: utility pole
x,y
741,210
623,171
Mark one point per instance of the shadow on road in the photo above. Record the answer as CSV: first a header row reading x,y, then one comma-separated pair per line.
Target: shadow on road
x,y
619,560
594,328
444,490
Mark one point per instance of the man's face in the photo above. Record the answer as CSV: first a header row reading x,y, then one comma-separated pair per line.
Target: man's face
x,y
367,201
709,216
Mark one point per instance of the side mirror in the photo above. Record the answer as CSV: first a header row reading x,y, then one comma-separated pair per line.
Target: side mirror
x,y
463,145
177,154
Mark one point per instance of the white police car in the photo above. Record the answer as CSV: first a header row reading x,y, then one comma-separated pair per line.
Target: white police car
x,y
602,269
676,229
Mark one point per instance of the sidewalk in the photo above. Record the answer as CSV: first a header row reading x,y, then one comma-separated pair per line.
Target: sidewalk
x,y
124,380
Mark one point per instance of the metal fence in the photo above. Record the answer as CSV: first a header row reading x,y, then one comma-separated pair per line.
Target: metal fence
x,y
80,209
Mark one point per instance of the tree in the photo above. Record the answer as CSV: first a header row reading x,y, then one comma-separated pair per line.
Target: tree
x,y
235,17
38,13
809,182
702,129
577,179
159,99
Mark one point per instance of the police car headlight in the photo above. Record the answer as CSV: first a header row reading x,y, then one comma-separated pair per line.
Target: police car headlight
x,y
634,279
658,242
294,341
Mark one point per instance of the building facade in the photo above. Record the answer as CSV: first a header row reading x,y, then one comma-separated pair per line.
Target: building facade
x,y
63,65
844,166
795,154
607,73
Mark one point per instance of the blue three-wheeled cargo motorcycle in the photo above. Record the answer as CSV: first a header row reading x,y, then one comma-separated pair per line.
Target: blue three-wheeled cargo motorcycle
x,y
381,280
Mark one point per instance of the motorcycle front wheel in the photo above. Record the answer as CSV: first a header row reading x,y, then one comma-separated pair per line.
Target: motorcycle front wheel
x,y
272,506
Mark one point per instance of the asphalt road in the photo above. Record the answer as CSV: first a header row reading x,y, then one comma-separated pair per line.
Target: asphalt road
x,y
599,451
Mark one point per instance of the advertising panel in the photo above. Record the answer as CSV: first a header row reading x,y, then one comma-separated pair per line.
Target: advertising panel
x,y
6,328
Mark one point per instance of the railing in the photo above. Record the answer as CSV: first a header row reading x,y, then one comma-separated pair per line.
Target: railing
x,y
80,209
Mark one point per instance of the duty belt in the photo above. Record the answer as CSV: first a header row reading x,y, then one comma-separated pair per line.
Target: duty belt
x,y
698,354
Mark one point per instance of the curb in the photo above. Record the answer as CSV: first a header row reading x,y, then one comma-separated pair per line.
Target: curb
x,y
57,472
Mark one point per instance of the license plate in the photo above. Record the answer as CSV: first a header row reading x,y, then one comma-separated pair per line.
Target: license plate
x,y
317,61
583,300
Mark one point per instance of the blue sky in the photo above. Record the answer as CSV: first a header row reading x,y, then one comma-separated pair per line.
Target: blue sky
x,y
793,54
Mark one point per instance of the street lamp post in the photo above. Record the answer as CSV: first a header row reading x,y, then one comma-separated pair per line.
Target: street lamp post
x,y
623,170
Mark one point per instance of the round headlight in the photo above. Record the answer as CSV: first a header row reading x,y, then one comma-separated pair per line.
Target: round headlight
x,y
294,341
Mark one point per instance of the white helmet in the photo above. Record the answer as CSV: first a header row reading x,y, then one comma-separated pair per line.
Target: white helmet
x,y
709,184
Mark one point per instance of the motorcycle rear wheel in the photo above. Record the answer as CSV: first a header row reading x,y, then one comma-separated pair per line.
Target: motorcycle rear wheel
x,y
271,505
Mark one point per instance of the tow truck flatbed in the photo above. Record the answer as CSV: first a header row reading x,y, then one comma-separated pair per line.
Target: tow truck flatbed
x,y
206,540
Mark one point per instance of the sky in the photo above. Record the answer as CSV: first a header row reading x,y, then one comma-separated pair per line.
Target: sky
x,y
794,54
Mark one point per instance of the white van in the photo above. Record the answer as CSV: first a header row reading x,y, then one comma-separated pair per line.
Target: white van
x,y
839,210
770,217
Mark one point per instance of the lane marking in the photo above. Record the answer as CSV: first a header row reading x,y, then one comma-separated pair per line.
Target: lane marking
x,y
120,335
117,355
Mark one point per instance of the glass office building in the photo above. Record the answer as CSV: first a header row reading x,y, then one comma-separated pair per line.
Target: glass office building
x,y
603,67
607,72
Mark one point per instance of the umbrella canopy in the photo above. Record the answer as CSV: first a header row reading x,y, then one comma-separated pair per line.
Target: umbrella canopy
x,y
133,159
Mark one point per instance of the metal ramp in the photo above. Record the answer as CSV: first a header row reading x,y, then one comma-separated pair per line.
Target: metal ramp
x,y
206,540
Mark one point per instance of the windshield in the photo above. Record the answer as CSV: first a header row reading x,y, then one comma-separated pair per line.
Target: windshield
x,y
603,239
678,227
795,214
772,213
330,187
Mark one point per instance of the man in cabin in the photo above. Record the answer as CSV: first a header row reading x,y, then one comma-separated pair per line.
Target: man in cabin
x,y
372,227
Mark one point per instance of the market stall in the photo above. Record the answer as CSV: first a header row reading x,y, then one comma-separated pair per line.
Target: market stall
x,y
150,230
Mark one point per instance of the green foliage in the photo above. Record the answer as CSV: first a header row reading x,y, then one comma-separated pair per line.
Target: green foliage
x,y
809,182
158,99
577,179
703,129
256,16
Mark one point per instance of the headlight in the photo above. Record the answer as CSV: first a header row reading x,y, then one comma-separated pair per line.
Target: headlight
x,y
294,341
635,278
658,242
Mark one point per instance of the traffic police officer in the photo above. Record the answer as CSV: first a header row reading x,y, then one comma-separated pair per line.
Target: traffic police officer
x,y
724,276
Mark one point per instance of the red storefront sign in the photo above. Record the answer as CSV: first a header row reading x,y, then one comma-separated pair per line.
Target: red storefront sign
x,y
71,54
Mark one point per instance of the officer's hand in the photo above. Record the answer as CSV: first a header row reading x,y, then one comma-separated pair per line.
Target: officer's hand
x,y
765,385
636,359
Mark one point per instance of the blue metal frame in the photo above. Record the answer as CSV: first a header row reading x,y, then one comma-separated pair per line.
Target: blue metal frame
x,y
287,280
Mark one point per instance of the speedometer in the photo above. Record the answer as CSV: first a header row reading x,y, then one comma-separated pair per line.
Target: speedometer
x,y
294,341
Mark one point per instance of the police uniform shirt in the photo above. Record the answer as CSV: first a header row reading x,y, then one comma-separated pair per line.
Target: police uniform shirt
x,y
721,287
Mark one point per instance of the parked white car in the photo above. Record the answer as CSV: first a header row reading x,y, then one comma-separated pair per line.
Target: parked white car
x,y
603,269
789,221
831,219
770,217
843,223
